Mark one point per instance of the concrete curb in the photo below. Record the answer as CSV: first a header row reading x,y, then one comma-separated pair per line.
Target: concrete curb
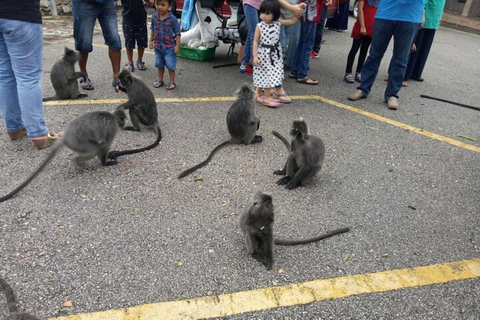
x,y
461,21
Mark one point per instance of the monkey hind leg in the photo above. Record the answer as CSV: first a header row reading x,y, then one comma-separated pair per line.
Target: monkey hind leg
x,y
257,139
280,172
103,156
81,96
284,180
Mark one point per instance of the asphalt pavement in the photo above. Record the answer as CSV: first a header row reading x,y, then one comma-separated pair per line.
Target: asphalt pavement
x,y
132,234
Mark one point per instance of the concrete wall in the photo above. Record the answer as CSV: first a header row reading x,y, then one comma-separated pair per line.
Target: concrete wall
x,y
456,6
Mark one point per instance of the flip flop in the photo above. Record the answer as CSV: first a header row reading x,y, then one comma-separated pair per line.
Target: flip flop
x,y
171,86
158,83
358,77
86,84
308,81
260,99
348,78
117,85
141,65
129,67
283,97
292,76
271,104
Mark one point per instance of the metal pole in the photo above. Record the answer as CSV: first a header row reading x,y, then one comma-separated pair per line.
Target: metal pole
x,y
53,7
467,7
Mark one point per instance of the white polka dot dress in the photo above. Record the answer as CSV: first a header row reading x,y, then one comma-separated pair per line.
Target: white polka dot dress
x,y
269,73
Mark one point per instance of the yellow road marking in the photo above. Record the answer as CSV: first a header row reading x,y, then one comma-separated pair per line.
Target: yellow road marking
x,y
306,97
291,295
401,125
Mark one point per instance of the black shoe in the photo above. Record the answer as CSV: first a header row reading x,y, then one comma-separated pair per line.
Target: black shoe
x,y
418,79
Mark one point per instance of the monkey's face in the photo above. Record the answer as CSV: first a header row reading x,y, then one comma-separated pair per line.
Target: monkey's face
x,y
125,77
299,128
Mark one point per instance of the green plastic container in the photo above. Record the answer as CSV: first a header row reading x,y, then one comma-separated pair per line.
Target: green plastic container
x,y
196,54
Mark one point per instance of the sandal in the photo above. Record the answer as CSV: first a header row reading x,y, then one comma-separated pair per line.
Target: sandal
x,y
309,81
271,104
118,86
348,78
46,140
141,65
358,77
282,97
129,67
260,99
17,134
158,83
86,83
292,76
171,86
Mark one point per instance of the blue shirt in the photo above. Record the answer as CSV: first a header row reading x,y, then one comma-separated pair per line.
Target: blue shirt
x,y
401,10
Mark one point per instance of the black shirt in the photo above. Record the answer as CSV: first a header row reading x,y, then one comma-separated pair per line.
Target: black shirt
x,y
22,10
133,10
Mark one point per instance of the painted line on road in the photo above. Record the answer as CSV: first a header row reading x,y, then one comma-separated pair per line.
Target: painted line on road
x,y
371,115
292,295
402,125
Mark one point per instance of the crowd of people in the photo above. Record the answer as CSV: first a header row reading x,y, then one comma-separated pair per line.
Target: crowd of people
x,y
282,35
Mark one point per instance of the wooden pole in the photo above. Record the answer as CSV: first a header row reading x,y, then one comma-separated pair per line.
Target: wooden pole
x,y
53,7
466,8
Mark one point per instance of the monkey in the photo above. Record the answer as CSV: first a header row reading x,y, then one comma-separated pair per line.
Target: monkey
x,y
89,135
256,225
305,158
64,78
242,125
142,110
12,305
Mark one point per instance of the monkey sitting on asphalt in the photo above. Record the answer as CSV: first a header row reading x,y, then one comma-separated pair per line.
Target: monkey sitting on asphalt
x,y
305,158
242,125
256,225
12,305
89,135
64,78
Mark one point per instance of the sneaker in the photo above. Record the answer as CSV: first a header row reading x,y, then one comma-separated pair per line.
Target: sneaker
x,y
314,55
392,103
356,96
246,69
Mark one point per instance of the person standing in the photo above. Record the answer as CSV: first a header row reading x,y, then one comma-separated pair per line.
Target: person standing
x,y
21,63
339,21
85,14
424,40
400,20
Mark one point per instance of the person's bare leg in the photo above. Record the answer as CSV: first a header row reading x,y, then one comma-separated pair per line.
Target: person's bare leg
x,y
258,91
171,74
129,55
82,63
140,53
115,58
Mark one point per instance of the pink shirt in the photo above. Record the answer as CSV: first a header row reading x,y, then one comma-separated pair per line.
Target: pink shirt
x,y
254,3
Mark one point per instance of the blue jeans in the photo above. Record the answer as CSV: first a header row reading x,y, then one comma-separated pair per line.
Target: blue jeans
x,y
85,13
289,39
21,52
317,44
301,59
251,14
403,34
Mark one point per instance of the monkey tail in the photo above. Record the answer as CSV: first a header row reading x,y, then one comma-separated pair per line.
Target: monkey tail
x,y
5,287
198,166
452,102
54,151
282,138
116,154
50,98
314,239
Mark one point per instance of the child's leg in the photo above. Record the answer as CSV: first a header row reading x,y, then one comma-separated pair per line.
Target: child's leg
x,y
160,65
171,74
363,52
268,95
171,64
258,91
161,72
351,55
129,55
140,53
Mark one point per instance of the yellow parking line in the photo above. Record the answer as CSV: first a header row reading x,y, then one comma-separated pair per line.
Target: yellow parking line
x,y
291,295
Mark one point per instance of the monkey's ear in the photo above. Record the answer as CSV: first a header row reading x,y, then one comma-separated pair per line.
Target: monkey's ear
x,y
129,79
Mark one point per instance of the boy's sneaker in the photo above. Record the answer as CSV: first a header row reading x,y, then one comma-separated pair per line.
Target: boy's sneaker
x,y
314,55
246,69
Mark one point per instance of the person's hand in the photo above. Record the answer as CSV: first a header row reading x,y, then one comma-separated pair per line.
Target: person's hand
x,y
298,9
363,31
414,48
176,49
150,44
256,62
327,2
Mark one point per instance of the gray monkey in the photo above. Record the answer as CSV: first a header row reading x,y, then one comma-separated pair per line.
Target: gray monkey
x,y
142,109
89,135
242,125
64,78
12,305
256,225
305,158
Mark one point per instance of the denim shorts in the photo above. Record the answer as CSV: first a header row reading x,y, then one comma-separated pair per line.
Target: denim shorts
x,y
85,13
165,58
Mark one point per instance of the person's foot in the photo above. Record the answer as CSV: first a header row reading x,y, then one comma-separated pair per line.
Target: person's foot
x,y
246,69
418,79
356,96
348,78
45,141
314,55
392,103
17,134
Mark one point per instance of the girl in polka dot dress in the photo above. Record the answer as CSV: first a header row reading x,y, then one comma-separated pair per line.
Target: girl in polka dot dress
x,y
267,55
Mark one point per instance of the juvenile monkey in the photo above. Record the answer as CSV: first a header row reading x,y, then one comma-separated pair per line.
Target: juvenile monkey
x,y
12,305
305,158
242,125
64,78
142,109
89,135
256,225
